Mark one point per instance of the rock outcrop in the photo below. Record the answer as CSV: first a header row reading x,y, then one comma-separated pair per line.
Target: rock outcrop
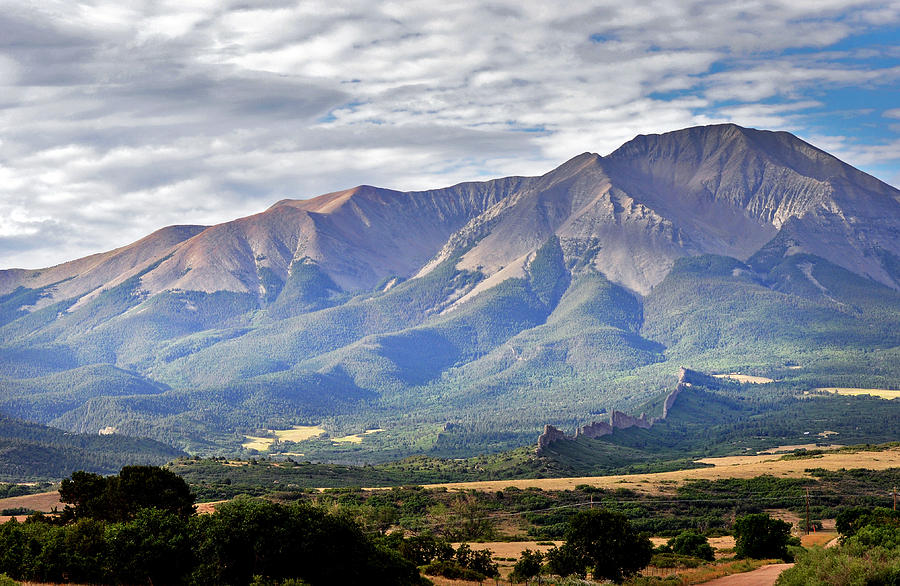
x,y
683,375
550,435
618,419
594,430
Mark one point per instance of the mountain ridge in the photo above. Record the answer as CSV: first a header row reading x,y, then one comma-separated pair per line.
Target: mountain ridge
x,y
360,235
493,307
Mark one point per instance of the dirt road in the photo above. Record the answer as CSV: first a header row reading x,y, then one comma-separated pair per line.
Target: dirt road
x,y
764,576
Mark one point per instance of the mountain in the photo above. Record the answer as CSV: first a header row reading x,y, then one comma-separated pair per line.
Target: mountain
x,y
463,319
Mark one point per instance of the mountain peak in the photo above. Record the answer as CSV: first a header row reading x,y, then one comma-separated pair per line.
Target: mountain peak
x,y
721,189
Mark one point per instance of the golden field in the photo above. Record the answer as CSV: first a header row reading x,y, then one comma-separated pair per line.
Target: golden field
x,y
724,467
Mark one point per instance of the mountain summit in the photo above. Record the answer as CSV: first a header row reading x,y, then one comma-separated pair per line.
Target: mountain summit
x,y
719,189
371,295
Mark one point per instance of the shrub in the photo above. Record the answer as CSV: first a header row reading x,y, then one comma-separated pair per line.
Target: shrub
x,y
478,561
691,543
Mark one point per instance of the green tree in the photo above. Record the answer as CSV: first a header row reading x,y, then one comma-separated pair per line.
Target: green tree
x,y
469,520
760,536
141,487
381,518
692,544
476,560
153,548
424,549
15,549
86,492
851,520
528,566
608,543
119,498
71,553
565,561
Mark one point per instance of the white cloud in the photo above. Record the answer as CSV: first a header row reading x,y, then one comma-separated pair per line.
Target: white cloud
x,y
117,119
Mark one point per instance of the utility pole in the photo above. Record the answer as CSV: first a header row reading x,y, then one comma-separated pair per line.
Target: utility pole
x,y
807,510
895,497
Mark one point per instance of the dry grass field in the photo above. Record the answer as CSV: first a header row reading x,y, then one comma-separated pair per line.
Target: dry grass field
x,y
745,378
297,433
512,549
819,538
356,438
208,508
883,393
260,444
792,447
43,501
725,467
723,545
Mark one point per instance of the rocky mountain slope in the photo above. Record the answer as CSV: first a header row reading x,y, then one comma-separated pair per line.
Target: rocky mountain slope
x,y
719,246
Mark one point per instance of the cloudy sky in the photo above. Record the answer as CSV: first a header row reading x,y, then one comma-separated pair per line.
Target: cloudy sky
x,y
118,118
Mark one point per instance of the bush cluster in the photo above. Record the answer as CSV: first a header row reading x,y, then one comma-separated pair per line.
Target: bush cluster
x,y
156,538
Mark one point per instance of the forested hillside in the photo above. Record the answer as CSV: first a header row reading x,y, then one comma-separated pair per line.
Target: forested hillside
x,y
30,451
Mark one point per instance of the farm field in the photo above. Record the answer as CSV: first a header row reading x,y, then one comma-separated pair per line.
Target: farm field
x,y
851,392
745,378
297,433
722,467
508,549
356,438
42,501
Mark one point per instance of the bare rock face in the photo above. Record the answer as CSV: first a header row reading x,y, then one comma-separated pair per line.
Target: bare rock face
x,y
358,237
683,374
733,189
98,271
720,189
595,430
550,435
619,420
